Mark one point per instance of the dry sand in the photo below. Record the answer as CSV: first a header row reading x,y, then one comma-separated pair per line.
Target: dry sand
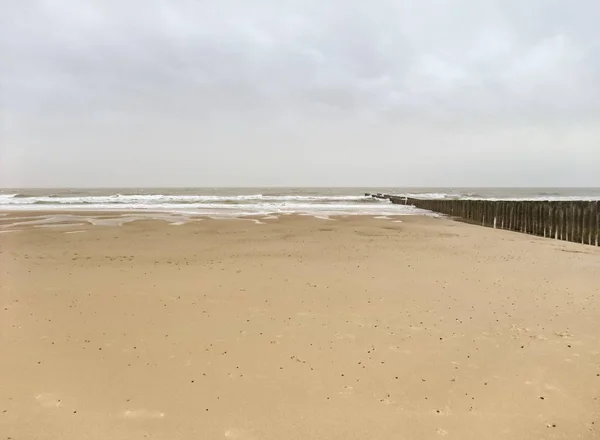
x,y
298,328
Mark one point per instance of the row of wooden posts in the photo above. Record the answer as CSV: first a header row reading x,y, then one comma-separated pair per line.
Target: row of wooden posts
x,y
576,221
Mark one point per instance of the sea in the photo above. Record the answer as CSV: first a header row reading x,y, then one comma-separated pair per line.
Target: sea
x,y
239,202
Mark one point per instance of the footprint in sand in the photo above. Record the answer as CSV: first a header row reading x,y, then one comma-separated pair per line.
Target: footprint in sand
x,y
396,349
238,434
48,400
345,336
347,391
143,414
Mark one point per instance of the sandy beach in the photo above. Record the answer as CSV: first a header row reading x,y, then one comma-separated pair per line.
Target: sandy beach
x,y
295,328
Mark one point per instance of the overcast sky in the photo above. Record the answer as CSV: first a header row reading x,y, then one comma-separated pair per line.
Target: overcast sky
x,y
296,93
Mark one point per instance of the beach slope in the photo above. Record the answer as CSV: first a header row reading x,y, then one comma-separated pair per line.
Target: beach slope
x,y
296,328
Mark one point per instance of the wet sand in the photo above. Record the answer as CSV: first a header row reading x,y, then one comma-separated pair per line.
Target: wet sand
x,y
295,328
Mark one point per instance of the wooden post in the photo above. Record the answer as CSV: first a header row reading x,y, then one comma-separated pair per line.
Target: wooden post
x,y
566,216
585,222
501,215
531,218
513,216
560,206
539,230
498,214
557,221
566,221
550,225
595,223
486,213
554,229
577,220
518,209
543,218
571,222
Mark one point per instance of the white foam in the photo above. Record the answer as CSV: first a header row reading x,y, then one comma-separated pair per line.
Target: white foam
x,y
159,199
250,203
59,225
455,196
42,220
212,205
429,195
70,220
119,221
319,216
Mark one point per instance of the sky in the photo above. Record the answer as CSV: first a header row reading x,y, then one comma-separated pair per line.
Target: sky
x,y
299,93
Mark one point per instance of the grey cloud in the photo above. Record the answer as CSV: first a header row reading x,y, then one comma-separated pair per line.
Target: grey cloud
x,y
235,79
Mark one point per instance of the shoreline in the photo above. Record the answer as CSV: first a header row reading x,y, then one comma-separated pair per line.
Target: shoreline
x,y
65,218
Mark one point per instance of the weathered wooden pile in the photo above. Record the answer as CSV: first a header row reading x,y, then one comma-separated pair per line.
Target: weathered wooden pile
x,y
576,221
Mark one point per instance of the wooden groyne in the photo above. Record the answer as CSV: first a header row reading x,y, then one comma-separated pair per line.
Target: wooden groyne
x,y
576,221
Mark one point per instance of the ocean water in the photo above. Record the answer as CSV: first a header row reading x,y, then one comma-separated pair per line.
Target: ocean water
x,y
262,201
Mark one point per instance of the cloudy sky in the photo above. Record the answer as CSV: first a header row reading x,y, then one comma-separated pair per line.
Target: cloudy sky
x,y
307,92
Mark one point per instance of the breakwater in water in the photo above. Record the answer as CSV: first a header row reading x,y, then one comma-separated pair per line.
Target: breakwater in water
x,y
576,221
